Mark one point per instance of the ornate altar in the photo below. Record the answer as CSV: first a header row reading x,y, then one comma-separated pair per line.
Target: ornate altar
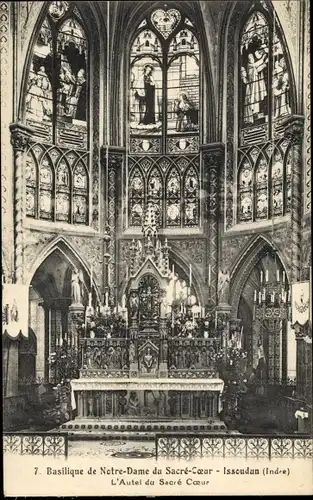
x,y
155,355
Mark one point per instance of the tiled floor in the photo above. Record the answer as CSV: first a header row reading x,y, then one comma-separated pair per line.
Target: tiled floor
x,y
99,448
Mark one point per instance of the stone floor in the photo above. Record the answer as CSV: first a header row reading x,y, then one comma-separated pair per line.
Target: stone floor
x,y
117,449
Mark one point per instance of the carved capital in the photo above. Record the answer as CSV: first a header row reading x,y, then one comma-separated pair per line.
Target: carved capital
x,y
20,137
112,157
213,155
294,129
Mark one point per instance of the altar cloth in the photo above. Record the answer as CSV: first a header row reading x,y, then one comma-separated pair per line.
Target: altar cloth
x,y
142,384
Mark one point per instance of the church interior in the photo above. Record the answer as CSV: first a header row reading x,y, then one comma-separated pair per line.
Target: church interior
x,y
156,217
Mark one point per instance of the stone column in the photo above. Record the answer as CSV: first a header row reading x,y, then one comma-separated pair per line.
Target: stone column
x,y
163,366
213,155
132,348
20,138
294,134
76,317
112,162
304,364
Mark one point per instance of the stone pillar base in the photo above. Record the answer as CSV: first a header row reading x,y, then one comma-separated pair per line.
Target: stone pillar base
x,y
133,370
163,370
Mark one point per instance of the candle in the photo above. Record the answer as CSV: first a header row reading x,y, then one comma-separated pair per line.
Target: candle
x,y
124,301
273,297
209,274
173,271
264,296
261,276
61,341
277,275
266,276
106,299
283,276
254,295
260,297
109,274
91,277
190,276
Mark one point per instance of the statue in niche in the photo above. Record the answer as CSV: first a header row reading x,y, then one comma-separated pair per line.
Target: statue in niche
x,y
223,286
132,353
134,304
133,404
77,282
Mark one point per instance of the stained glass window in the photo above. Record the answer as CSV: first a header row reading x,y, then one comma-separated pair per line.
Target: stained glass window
x,y
155,194
62,205
173,199
277,187
56,107
46,187
136,191
264,184
261,189
31,178
245,191
191,198
164,84
56,99
264,76
80,194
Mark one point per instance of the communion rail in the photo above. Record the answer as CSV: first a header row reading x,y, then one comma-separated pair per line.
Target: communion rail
x,y
192,446
52,444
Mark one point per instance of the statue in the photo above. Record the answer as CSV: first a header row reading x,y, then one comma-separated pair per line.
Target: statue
x,y
132,353
223,286
133,404
134,304
77,286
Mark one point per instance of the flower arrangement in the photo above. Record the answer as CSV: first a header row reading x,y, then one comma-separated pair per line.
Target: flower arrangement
x,y
99,325
64,361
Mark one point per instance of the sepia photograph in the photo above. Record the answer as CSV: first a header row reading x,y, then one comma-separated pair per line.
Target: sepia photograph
x,y
156,247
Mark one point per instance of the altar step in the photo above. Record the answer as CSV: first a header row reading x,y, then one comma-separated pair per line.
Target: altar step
x,y
136,428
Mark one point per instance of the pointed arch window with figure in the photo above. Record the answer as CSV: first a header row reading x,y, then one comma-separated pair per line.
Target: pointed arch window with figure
x,y
56,105
164,84
265,101
164,119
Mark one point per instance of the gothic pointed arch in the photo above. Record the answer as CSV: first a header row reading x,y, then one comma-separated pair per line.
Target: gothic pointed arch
x,y
60,102
70,254
255,250
259,66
